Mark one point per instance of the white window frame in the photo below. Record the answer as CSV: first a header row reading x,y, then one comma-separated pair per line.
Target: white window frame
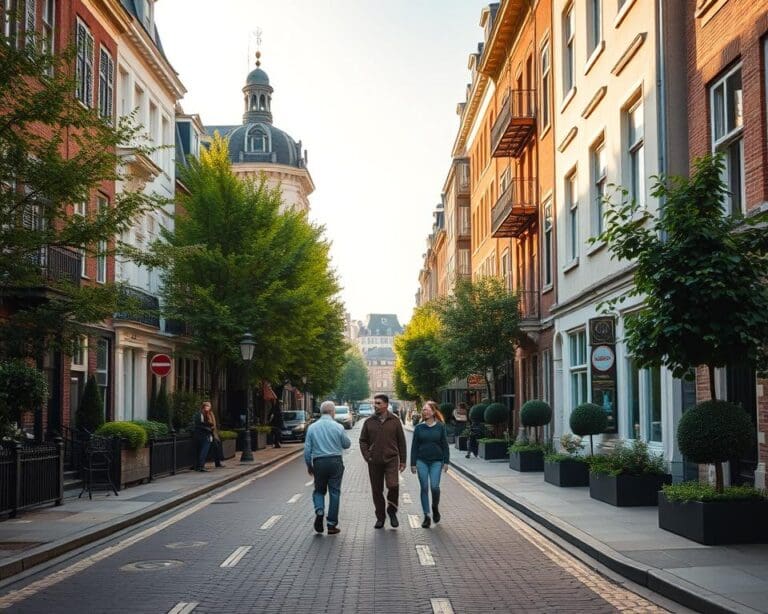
x,y
640,384
101,248
106,85
545,58
572,236
636,151
80,354
578,371
547,248
731,137
30,24
599,182
506,269
84,64
569,50
102,370
594,25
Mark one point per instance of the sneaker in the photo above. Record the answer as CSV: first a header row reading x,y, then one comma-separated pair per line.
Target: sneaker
x,y
393,519
435,514
467,456
319,523
220,466
427,523
333,530
379,524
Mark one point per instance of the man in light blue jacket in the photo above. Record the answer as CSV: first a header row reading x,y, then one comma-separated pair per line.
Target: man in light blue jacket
x,y
323,446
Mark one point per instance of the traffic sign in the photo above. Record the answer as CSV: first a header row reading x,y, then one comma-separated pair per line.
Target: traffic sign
x,y
160,365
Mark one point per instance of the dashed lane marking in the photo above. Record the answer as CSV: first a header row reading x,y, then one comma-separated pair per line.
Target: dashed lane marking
x,y
441,606
183,607
310,483
413,520
271,522
294,498
47,582
425,556
234,558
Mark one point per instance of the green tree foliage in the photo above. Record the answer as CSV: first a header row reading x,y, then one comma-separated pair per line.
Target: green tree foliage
x,y
496,414
90,413
700,272
22,388
535,414
237,263
161,408
418,354
588,419
481,328
477,412
54,152
402,390
353,380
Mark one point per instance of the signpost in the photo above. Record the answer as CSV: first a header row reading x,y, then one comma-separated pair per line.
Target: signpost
x,y
160,365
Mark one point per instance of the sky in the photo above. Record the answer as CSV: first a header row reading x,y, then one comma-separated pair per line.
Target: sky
x,y
370,88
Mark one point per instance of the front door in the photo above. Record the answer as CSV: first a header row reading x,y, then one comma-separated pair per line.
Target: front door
x,y
741,387
75,392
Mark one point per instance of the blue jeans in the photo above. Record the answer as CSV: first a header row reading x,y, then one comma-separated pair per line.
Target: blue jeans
x,y
203,446
429,479
328,473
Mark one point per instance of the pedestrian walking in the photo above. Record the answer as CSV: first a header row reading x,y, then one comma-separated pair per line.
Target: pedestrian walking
x,y
203,434
430,456
382,443
277,424
461,418
218,452
323,446
476,432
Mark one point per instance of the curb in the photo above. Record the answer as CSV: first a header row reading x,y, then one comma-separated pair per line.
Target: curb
x,y
56,548
657,580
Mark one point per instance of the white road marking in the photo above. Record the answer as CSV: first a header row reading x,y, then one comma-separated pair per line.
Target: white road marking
x,y
45,583
271,522
425,556
310,483
294,498
183,607
407,498
413,520
234,558
441,606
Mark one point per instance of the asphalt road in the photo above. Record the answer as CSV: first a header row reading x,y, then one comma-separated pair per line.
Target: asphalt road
x,y
250,547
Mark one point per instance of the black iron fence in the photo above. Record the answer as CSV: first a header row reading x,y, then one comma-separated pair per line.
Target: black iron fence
x,y
167,455
31,475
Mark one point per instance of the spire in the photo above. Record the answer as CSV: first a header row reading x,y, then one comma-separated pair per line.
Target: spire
x,y
258,91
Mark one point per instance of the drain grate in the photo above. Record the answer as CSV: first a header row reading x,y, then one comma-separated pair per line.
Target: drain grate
x,y
151,565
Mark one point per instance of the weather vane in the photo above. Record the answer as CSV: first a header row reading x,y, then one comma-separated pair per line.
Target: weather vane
x,y
258,46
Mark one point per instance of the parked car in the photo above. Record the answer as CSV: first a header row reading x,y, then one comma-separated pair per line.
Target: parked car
x,y
296,423
344,416
365,410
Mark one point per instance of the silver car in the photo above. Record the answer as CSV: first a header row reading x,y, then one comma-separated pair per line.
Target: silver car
x,y
344,416
365,410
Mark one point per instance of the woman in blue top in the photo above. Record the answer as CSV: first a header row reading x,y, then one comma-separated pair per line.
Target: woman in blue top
x,y
430,457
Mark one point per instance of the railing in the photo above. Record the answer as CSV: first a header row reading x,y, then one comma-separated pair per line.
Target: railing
x,y
462,178
167,455
177,327
528,304
144,307
30,475
514,208
514,123
58,263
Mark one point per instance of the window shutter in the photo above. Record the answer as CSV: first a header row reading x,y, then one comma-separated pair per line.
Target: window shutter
x,y
110,85
88,69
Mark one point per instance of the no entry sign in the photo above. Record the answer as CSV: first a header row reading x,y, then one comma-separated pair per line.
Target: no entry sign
x,y
160,365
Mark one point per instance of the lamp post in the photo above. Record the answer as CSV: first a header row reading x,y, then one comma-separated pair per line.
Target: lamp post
x,y
304,391
247,346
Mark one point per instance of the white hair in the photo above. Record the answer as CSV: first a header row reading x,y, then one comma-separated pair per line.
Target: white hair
x,y
328,407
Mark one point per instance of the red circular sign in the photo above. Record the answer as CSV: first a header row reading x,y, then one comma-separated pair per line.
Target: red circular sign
x,y
160,364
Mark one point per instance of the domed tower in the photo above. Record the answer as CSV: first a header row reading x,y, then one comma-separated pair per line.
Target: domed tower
x,y
258,95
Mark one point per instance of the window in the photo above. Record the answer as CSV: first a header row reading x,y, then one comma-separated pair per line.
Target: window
x,y
102,370
101,249
635,151
572,200
47,42
546,70
577,343
599,179
83,263
84,65
464,262
548,245
726,106
644,403
257,140
11,25
506,269
633,400
653,403
106,84
595,24
79,350
463,220
546,374
81,208
569,58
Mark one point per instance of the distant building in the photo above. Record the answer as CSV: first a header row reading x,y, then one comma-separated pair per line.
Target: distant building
x,y
381,367
379,331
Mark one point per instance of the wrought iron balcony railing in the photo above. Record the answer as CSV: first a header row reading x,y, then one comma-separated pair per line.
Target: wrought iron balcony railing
x,y
514,125
142,307
58,264
515,209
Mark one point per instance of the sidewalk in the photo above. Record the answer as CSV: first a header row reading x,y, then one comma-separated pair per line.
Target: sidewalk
x,y
629,541
43,533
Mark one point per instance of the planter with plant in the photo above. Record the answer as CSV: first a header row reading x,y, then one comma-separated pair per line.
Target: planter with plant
x,y
567,469
627,476
588,419
259,435
491,448
228,443
714,432
528,455
134,453
495,447
462,439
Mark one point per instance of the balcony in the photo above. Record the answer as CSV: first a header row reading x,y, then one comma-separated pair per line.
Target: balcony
x,y
462,178
515,209
528,304
140,307
58,264
514,125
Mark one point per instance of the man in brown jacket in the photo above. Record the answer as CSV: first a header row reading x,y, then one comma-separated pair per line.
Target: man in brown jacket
x,y
382,443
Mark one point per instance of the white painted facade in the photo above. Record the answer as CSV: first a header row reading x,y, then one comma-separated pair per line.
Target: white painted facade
x,y
295,183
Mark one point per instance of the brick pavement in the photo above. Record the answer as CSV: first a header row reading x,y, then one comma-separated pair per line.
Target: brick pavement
x,y
486,560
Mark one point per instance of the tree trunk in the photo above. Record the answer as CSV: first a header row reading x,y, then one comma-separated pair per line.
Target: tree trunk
x,y
712,393
719,477
487,386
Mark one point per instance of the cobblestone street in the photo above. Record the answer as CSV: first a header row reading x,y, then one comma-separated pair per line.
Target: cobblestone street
x,y
250,547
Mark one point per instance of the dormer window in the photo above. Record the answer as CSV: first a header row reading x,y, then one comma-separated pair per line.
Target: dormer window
x,y
146,15
256,141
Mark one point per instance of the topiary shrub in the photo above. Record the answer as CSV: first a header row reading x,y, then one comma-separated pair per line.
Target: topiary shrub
x,y
714,432
184,405
90,413
477,413
134,435
535,414
588,419
224,435
496,414
22,388
162,406
153,428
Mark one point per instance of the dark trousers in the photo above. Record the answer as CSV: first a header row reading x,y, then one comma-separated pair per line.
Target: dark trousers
x,y
328,472
218,452
277,436
380,474
203,445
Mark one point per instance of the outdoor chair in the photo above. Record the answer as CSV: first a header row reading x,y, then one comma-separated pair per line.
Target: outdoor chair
x,y
97,465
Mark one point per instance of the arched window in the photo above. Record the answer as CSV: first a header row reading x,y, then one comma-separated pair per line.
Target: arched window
x,y
263,103
254,103
256,140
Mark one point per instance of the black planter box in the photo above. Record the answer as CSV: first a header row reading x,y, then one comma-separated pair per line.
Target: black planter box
x,y
527,461
495,450
627,490
461,443
715,523
567,473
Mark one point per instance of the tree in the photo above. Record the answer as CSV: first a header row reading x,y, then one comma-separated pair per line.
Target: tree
x,y
418,354
700,272
22,388
90,412
402,390
481,328
161,408
353,380
53,153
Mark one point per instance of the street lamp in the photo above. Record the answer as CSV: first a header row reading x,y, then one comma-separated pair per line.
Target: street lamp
x,y
247,346
304,390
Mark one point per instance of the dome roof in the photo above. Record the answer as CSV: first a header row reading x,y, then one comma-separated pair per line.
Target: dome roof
x,y
280,147
257,77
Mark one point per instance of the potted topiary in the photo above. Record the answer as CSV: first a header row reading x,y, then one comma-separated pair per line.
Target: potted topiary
x,y
134,453
259,436
494,448
476,414
529,456
228,441
627,476
567,469
588,419
714,432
